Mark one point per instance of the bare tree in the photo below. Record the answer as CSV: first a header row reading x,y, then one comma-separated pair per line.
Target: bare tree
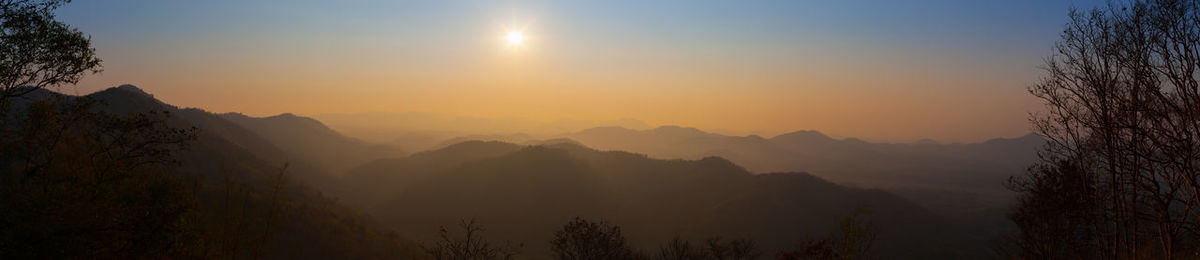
x,y
714,248
679,249
1120,174
852,240
472,246
736,249
580,239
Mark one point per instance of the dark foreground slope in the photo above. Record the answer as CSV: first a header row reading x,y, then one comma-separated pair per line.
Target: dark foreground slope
x,y
228,193
524,193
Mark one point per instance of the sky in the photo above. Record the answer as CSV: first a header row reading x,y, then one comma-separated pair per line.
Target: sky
x,y
953,71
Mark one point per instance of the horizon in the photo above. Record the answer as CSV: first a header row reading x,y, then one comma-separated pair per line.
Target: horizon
x,y
886,72
590,124
625,129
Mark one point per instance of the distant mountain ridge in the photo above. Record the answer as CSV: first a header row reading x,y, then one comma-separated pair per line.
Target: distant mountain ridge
x,y
942,177
523,193
312,141
418,131
810,150
961,181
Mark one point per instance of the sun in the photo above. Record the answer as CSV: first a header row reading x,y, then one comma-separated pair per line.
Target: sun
x,y
514,38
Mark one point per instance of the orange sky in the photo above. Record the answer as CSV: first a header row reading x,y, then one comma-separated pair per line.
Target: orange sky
x,y
766,77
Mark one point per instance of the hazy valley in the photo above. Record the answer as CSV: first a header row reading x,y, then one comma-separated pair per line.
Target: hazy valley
x,y
656,183
622,130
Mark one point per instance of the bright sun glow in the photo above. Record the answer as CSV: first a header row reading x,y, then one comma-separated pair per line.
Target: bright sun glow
x,y
514,38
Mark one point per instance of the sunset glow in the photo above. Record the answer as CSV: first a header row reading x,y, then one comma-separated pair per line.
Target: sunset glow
x,y
619,129
761,69
514,38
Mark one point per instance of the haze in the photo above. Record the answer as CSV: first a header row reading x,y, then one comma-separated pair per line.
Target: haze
x,y
954,71
625,130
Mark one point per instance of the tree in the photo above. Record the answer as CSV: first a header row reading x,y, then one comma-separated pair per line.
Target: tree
x,y
583,239
1120,174
580,239
852,240
472,246
679,249
714,248
77,183
736,249
37,51
1055,215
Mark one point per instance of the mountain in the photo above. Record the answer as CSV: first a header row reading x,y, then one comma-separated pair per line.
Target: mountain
x,y
378,181
961,181
231,163
524,193
311,141
416,131
670,142
850,160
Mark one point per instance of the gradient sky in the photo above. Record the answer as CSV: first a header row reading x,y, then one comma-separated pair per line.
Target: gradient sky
x,y
879,70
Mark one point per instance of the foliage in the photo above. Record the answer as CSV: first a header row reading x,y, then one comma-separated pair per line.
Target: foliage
x,y
36,51
75,182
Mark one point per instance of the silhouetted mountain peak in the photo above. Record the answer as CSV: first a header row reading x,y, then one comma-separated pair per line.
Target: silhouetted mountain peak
x,y
806,134
286,115
718,164
474,147
283,120
605,130
1031,136
854,140
306,121
1029,139
555,141
572,146
132,89
129,98
804,137
673,129
235,115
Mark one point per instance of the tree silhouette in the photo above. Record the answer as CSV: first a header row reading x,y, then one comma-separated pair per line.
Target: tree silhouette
x,y
736,249
75,183
472,246
679,249
37,51
1120,174
852,240
580,239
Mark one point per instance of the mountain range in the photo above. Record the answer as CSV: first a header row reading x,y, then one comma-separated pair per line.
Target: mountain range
x,y
523,193
232,163
930,200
